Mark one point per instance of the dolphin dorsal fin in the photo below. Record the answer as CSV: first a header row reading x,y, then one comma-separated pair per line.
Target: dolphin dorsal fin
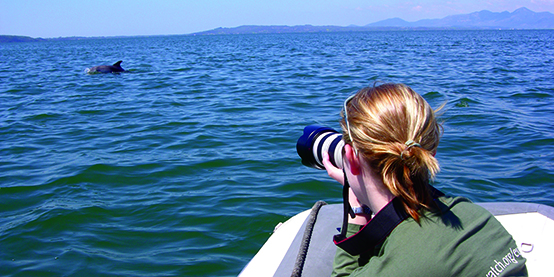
x,y
118,63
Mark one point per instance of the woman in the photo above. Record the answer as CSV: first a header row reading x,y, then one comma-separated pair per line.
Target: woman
x,y
391,136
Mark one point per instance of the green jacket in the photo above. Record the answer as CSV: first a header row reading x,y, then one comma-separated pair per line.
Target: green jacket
x,y
463,239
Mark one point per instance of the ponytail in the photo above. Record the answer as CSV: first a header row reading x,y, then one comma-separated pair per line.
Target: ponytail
x,y
395,130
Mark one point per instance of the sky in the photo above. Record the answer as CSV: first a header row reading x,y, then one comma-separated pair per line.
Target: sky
x,y
88,18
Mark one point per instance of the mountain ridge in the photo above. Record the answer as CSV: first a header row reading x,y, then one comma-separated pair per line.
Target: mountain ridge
x,y
522,18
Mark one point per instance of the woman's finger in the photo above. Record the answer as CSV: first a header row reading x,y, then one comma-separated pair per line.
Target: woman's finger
x,y
333,171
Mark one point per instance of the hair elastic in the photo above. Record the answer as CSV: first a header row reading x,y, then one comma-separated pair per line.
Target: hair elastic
x,y
409,144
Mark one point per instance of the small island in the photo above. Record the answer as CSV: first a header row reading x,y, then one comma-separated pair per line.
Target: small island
x,y
4,39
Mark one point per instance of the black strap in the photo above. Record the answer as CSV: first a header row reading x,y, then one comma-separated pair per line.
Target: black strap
x,y
346,205
377,229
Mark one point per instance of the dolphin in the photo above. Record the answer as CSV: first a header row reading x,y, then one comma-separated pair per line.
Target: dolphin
x,y
116,67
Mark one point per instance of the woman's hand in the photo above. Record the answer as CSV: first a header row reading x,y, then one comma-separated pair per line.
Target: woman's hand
x,y
338,174
334,172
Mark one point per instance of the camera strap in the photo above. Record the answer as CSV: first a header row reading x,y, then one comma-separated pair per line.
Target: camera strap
x,y
374,232
377,229
346,205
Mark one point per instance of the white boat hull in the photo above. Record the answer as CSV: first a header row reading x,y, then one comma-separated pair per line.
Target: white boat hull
x,y
531,225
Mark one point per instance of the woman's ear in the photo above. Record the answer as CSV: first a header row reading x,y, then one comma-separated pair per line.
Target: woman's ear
x,y
353,160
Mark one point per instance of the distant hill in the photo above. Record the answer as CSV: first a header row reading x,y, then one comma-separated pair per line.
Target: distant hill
x,y
18,39
521,18
275,29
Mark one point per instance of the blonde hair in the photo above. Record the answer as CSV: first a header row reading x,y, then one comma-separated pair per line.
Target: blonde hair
x,y
395,130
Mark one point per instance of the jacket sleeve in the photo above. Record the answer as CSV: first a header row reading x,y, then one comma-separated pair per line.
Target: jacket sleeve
x,y
344,264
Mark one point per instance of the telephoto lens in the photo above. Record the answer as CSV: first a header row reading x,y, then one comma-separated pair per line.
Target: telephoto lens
x,y
317,140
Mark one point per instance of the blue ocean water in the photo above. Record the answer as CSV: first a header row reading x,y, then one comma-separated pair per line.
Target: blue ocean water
x,y
185,164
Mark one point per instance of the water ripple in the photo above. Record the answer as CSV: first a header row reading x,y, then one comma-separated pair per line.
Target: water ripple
x,y
185,164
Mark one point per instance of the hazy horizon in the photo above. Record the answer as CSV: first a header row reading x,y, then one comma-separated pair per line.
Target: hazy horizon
x,y
65,18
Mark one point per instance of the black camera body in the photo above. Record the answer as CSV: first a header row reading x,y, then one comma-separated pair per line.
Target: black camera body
x,y
317,140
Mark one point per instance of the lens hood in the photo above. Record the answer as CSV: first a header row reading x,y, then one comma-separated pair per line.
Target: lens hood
x,y
318,139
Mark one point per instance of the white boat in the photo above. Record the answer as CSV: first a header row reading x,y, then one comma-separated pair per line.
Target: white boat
x,y
303,245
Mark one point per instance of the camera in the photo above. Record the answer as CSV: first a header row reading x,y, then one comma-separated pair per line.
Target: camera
x,y
317,140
